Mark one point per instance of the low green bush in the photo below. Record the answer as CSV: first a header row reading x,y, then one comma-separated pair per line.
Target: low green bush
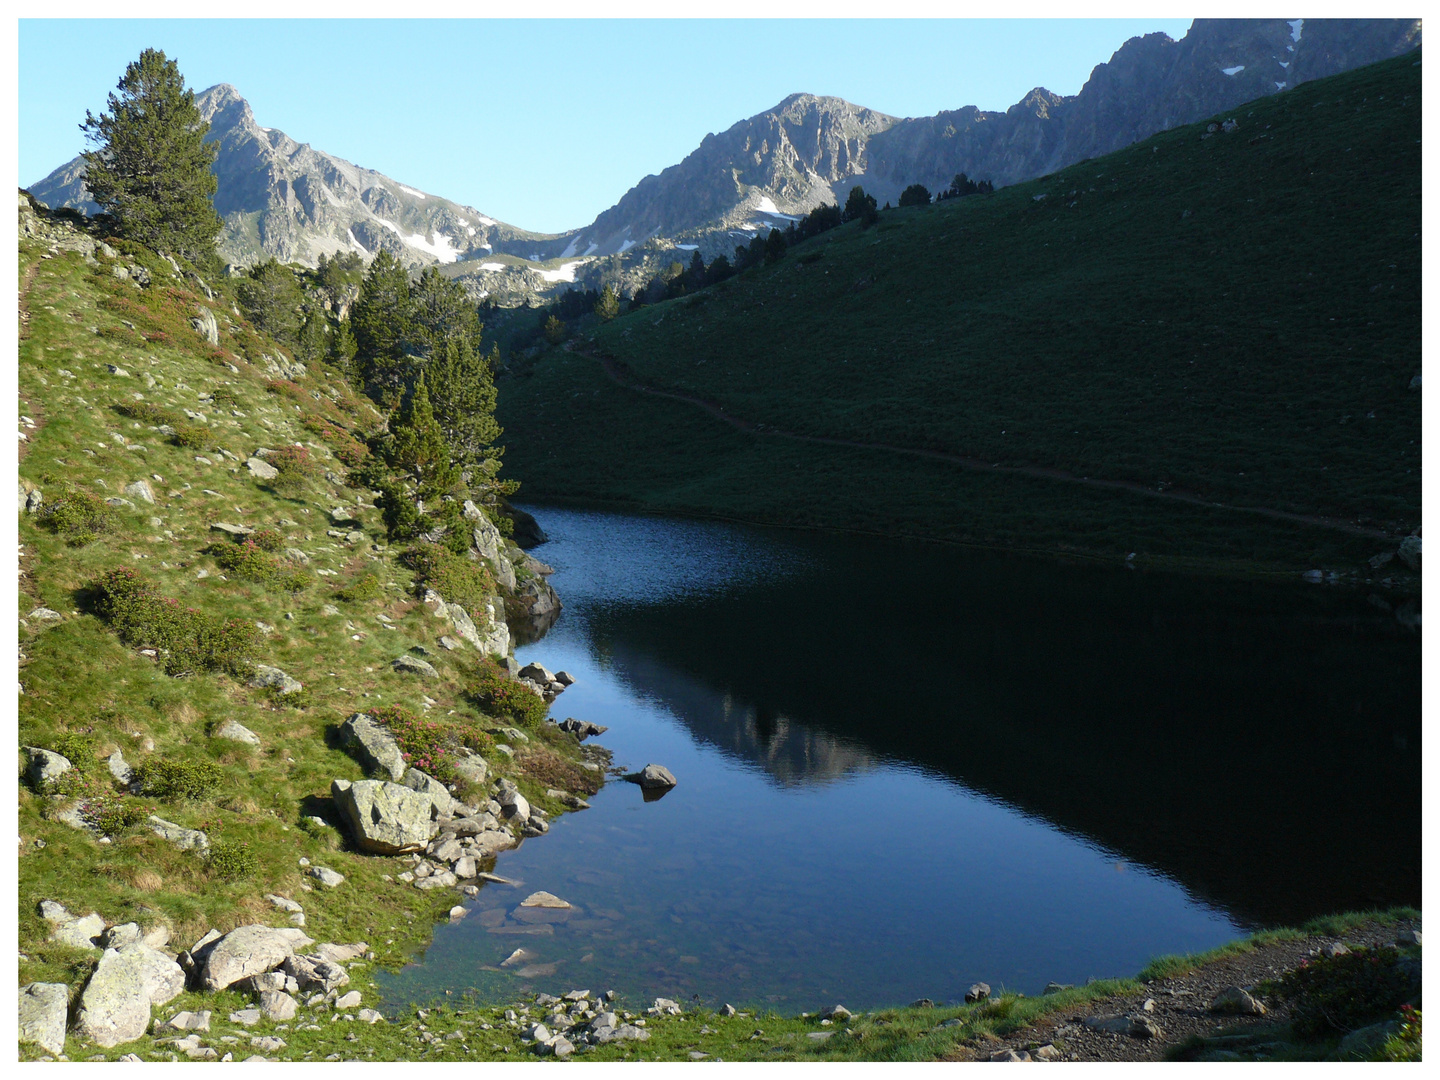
x,y
188,639
79,517
178,779
77,748
501,696
271,540
367,587
191,436
295,465
143,411
250,561
112,814
432,746
1332,995
224,395
458,578
233,861
1405,1044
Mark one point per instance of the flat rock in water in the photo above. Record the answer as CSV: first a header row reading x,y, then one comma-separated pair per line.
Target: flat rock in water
x,y
245,951
653,778
43,1012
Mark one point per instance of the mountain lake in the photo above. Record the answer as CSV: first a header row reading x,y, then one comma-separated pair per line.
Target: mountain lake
x,y
904,768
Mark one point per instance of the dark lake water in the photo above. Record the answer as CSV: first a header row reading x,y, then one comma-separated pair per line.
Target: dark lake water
x,y
905,768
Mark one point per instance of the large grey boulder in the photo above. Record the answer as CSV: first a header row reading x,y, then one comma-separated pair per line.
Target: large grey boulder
x,y
372,745
385,818
491,635
245,951
472,769
120,768
45,767
426,784
1410,552
43,1009
265,675
261,469
115,1006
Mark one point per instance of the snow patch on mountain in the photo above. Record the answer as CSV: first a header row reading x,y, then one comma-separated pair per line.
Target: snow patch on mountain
x,y
1235,70
412,191
767,206
570,248
492,266
443,247
1296,25
564,273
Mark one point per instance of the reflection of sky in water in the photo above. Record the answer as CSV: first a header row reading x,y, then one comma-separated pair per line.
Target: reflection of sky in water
x,y
613,559
884,883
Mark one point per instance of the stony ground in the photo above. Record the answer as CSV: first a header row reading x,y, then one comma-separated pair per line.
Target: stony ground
x,y
1180,1007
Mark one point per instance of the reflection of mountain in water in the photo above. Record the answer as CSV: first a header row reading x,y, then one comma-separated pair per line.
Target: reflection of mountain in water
x,y
1257,743
789,752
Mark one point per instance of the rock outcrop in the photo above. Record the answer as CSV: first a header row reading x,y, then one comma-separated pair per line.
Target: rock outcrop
x,y
115,1005
372,745
385,818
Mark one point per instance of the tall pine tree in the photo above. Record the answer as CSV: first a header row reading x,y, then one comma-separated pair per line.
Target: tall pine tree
x,y
151,167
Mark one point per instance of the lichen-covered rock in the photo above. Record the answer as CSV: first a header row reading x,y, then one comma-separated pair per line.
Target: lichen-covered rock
x,y
245,951
183,838
426,784
43,1010
261,469
140,489
237,732
205,325
265,675
415,666
386,818
80,932
372,745
115,1005
45,767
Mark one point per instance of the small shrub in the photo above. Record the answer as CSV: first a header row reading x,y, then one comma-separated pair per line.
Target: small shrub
x,y
191,436
178,779
248,560
1336,994
432,746
458,578
271,540
77,748
501,696
285,388
295,466
79,517
157,337
364,588
233,861
188,639
143,411
224,395
1405,1044
113,814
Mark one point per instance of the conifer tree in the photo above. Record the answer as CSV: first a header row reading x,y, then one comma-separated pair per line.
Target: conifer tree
x,y
150,169
380,321
417,445
462,397
608,306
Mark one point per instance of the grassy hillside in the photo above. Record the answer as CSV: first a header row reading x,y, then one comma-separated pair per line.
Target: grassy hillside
x,y
117,388
1229,317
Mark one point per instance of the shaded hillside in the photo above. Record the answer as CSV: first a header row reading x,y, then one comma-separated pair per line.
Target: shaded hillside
x,y
1231,316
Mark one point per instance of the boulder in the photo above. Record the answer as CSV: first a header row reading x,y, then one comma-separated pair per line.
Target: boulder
x,y
327,877
514,805
564,678
232,530
117,937
43,1012
183,1021
582,729
653,778
277,1005
236,732
315,972
205,325
45,767
245,951
140,489
119,768
978,992
1410,552
183,838
426,784
472,769
385,818
1361,1043
81,933
835,1012
490,545
261,469
1235,1001
372,745
115,1006
415,666
264,676
537,673
348,1001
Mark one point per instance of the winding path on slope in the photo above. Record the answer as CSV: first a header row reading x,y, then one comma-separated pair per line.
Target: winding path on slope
x,y
622,376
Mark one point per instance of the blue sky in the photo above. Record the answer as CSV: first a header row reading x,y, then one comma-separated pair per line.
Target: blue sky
x,y
544,124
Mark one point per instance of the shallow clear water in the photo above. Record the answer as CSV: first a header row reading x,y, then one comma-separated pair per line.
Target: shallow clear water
x,y
905,768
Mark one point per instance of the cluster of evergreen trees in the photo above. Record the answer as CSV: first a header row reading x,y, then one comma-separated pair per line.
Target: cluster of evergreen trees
x,y
414,347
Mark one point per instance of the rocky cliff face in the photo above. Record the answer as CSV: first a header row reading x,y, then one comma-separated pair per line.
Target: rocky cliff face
x,y
288,200
809,150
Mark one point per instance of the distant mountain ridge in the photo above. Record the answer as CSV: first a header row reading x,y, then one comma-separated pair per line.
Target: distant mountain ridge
x,y
288,200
